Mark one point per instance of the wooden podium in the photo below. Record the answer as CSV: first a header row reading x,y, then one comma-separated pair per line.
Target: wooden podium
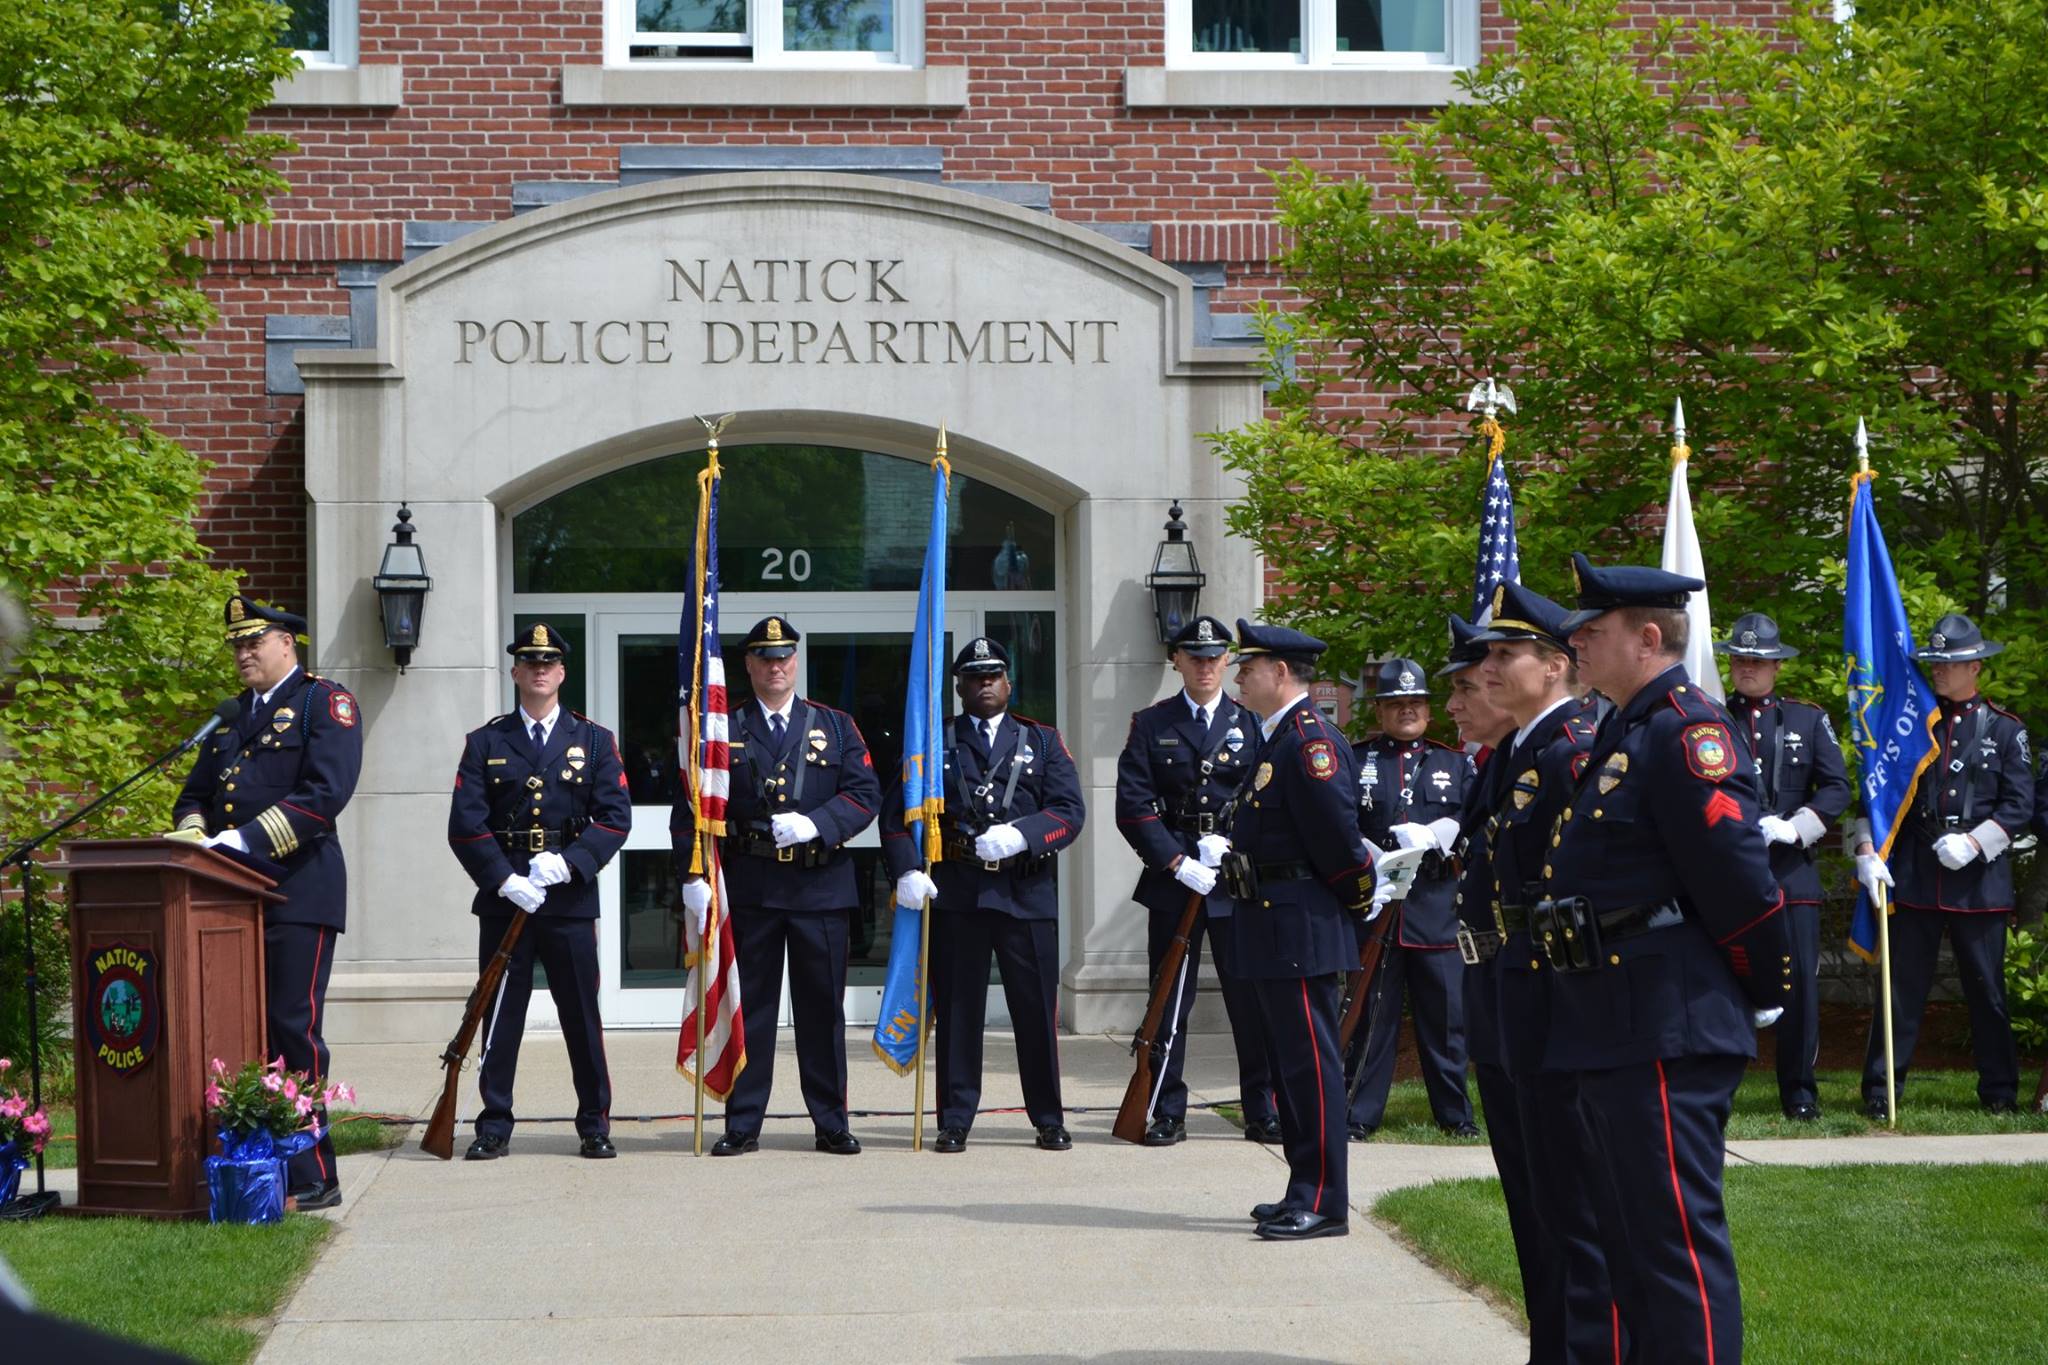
x,y
166,974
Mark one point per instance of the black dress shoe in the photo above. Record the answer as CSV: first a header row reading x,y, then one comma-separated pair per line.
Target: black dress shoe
x,y
1804,1112
1298,1225
487,1147
1361,1132
840,1143
1467,1129
733,1144
951,1140
1262,1130
310,1197
1874,1109
1053,1138
2001,1107
598,1147
1266,1213
1164,1132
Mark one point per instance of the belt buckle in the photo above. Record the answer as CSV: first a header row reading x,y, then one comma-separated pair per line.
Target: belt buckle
x,y
1205,823
1500,925
996,866
786,854
1467,948
536,840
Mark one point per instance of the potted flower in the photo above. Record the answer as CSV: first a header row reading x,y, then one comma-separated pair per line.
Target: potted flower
x,y
264,1116
23,1131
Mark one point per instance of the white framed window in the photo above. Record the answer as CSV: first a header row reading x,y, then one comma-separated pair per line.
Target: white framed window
x,y
1335,34
787,33
322,32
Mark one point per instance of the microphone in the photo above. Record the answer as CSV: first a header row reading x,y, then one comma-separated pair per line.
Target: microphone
x,y
223,714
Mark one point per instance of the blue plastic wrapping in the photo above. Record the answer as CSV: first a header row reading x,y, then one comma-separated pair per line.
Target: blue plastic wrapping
x,y
12,1164
246,1182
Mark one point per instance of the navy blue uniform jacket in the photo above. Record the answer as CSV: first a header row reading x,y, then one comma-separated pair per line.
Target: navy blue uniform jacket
x,y
1992,784
1302,813
280,775
1047,810
498,786
1798,763
840,794
1169,772
1666,810
1414,782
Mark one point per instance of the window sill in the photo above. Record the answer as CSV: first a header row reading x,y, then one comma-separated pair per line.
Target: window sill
x,y
922,87
341,87
1160,87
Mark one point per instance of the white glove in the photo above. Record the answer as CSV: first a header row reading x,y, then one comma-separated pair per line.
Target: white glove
x,y
791,828
1413,836
1871,871
522,893
914,888
998,842
697,900
1776,830
230,838
1195,877
1210,848
547,868
1382,896
1763,1019
1955,850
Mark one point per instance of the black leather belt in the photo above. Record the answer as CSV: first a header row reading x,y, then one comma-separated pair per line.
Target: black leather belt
x,y
1286,872
753,844
1204,823
1510,919
960,844
536,839
1574,935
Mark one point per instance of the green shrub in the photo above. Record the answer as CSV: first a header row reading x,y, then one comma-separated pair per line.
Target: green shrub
x,y
2026,987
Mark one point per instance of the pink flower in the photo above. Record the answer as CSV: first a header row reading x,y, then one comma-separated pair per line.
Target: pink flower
x,y
291,1088
303,1105
5,1066
339,1093
13,1107
219,1067
272,1082
212,1095
278,1065
36,1124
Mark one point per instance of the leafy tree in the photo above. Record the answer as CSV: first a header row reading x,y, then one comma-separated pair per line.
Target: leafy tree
x,y
124,136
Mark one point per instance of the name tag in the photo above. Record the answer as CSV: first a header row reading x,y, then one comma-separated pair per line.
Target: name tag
x,y
1166,740
737,744
495,761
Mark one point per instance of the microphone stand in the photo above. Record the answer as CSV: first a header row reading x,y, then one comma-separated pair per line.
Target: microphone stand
x,y
23,856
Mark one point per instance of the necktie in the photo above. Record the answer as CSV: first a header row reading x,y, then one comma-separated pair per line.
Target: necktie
x,y
988,734
775,727
1202,719
540,739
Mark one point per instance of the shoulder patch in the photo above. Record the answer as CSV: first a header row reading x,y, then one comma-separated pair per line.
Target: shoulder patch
x,y
1709,751
1319,757
342,707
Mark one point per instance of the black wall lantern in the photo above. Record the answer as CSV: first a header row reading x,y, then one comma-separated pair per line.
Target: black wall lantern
x,y
1176,579
402,587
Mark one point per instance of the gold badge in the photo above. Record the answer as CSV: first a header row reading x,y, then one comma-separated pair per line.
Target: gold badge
x,y
1265,775
575,756
774,630
1525,789
817,739
281,719
1611,773
540,637
235,612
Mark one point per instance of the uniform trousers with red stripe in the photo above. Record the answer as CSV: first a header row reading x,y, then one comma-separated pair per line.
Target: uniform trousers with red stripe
x,y
1301,1016
567,949
816,946
1655,1128
297,959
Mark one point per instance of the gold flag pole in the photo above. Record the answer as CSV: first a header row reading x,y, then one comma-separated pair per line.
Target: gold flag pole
x,y
1883,896
703,858
935,635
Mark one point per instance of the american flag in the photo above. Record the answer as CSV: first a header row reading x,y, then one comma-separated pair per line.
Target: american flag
x,y
706,760
1499,560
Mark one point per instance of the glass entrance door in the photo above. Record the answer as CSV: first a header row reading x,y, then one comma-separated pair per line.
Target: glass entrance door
x,y
855,657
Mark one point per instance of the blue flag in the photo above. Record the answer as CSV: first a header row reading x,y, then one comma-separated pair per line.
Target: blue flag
x,y
1500,558
904,998
1891,707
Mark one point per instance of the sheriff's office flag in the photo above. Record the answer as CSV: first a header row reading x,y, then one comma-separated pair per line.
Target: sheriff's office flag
x,y
706,762
1891,707
924,795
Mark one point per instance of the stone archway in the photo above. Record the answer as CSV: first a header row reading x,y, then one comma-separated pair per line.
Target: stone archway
x,y
557,345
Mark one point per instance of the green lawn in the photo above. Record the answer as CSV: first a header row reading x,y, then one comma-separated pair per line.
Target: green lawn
x,y
194,1288
351,1134
1839,1263
1934,1102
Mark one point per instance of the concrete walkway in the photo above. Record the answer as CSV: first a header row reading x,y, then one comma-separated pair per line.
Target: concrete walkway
x,y
1000,1254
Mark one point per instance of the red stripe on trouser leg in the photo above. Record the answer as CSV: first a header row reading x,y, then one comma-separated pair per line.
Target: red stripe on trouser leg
x,y
596,985
312,1029
1685,1223
1614,1318
1308,1019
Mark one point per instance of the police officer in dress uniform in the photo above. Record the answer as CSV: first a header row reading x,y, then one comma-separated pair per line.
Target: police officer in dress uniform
x,y
802,787
1013,801
1410,790
1303,871
540,805
1804,788
1660,922
1952,875
1180,770
271,783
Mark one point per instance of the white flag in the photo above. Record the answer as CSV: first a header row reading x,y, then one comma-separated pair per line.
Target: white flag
x,y
1682,555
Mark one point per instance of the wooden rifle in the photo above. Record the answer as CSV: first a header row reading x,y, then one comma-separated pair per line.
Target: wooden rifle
x,y
439,1139
1136,1112
1358,984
